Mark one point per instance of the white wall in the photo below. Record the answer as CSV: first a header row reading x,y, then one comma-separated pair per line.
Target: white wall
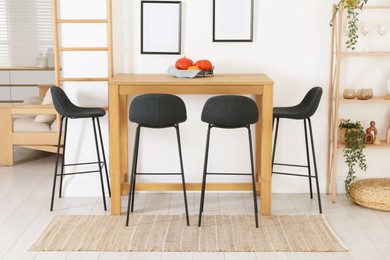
x,y
291,44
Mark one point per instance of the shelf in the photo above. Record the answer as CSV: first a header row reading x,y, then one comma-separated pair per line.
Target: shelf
x,y
383,145
376,7
385,99
83,49
25,68
366,54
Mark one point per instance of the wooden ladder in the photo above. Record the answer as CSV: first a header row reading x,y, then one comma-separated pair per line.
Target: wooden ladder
x,y
58,66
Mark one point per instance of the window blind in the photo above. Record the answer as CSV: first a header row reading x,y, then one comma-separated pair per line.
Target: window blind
x,y
25,30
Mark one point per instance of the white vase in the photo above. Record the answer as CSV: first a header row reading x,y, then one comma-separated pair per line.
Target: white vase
x,y
50,57
388,86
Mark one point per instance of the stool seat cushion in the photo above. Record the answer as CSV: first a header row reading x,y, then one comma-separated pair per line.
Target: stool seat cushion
x,y
230,111
66,108
83,112
157,110
305,109
372,193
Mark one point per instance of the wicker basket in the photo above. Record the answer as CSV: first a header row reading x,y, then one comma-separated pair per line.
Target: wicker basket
x,y
371,193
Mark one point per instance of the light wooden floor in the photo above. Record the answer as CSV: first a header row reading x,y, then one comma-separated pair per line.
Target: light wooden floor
x,y
24,213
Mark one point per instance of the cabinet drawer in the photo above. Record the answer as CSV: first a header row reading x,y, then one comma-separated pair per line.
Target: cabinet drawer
x,y
21,93
32,77
4,77
5,94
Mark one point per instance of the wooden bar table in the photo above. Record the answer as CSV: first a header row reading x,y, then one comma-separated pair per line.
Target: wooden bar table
x,y
122,85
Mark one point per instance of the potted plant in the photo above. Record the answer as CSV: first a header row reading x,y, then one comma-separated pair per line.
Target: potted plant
x,y
352,7
353,151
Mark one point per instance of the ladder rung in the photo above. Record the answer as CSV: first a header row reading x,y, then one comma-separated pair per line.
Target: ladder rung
x,y
82,21
83,49
83,79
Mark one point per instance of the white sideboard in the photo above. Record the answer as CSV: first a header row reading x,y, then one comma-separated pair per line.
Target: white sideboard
x,y
19,83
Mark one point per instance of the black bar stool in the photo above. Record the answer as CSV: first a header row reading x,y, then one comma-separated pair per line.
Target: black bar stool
x,y
156,111
303,111
229,112
67,110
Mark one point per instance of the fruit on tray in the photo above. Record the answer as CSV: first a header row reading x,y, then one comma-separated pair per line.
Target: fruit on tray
x,y
204,64
193,68
183,63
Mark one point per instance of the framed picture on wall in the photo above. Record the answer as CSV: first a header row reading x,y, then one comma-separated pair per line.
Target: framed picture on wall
x,y
233,20
160,27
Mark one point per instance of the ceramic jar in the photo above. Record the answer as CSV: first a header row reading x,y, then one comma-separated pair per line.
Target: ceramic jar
x,y
364,93
349,93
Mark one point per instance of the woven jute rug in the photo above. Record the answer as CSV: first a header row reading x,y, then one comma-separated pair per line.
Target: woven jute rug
x,y
169,233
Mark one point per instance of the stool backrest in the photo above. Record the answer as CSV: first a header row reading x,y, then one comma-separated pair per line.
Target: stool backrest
x,y
311,101
61,101
230,111
157,110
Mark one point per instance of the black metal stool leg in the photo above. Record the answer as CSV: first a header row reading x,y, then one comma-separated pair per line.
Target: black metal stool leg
x,y
204,176
133,191
56,166
182,173
130,200
253,176
104,157
308,159
134,170
98,159
315,165
275,140
63,157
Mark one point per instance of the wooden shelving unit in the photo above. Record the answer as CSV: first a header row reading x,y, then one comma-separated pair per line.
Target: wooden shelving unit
x,y
336,98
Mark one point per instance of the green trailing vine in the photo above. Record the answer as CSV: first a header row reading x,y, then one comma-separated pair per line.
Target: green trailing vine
x,y
352,7
352,29
353,151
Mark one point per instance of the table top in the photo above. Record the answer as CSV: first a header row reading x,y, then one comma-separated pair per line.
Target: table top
x,y
166,79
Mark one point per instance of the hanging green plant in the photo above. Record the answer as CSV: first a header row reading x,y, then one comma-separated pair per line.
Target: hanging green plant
x,y
353,151
352,7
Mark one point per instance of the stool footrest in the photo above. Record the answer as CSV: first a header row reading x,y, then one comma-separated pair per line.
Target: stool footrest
x,y
228,173
291,165
294,174
158,173
85,163
75,173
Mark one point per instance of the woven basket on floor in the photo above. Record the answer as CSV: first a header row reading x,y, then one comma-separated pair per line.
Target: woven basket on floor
x,y
371,193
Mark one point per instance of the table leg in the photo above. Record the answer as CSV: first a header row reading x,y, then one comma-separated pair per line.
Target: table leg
x,y
115,160
123,135
258,145
266,148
